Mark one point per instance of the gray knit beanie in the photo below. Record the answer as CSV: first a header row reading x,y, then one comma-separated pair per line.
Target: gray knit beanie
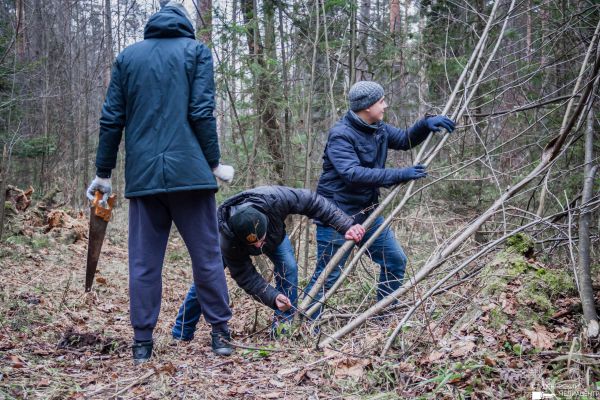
x,y
364,94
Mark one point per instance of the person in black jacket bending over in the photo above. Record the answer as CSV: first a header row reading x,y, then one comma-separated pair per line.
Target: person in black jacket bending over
x,y
354,170
252,223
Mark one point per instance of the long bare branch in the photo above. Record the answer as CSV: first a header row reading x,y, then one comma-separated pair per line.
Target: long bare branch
x,y
392,195
549,154
489,247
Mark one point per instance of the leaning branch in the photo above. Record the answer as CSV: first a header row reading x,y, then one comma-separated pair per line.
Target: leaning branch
x,y
549,154
473,60
491,246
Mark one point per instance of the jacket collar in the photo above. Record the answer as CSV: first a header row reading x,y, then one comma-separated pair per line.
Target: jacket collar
x,y
359,124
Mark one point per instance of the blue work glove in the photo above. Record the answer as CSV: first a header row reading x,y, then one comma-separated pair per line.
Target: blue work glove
x,y
417,171
438,122
103,185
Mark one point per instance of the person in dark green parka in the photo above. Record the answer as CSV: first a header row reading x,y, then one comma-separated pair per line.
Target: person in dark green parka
x,y
161,94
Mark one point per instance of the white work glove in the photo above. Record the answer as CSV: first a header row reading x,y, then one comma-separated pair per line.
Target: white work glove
x,y
224,172
100,184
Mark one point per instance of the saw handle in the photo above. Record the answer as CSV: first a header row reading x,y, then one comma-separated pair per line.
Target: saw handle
x,y
99,211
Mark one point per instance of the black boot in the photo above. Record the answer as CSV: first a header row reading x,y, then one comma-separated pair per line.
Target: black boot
x,y
142,351
221,343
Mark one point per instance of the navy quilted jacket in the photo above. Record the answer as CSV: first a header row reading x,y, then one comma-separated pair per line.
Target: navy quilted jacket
x,y
354,162
161,94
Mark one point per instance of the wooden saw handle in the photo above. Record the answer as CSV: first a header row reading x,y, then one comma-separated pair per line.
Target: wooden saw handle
x,y
104,213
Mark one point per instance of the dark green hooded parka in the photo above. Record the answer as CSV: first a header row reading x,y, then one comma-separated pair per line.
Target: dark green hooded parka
x,y
162,94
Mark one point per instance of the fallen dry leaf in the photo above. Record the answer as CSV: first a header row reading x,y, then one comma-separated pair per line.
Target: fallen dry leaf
x,y
509,305
168,368
405,367
138,390
462,349
276,383
16,362
433,357
539,337
273,395
487,307
44,382
489,361
100,280
287,371
351,367
300,376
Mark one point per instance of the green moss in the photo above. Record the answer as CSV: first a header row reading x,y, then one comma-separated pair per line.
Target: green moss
x,y
539,287
520,243
177,255
557,282
519,266
497,319
39,242
517,349
19,240
9,208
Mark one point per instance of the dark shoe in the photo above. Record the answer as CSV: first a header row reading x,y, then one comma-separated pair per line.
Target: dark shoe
x,y
221,343
142,351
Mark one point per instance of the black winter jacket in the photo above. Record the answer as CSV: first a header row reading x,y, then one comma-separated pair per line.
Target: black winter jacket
x,y
276,202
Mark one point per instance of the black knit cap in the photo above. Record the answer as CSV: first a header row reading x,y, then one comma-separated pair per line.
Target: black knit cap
x,y
249,225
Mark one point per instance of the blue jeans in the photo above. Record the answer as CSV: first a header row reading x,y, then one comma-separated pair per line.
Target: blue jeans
x,y
286,282
384,251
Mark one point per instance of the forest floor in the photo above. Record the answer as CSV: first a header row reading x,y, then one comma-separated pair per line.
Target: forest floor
x,y
512,331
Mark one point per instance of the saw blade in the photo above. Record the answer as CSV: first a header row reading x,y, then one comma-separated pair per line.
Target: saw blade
x,y
95,239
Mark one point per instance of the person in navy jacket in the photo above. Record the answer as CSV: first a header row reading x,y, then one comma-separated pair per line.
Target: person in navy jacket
x,y
354,170
161,93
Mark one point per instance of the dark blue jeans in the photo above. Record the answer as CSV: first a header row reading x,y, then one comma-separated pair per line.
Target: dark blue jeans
x,y
384,251
286,282
150,218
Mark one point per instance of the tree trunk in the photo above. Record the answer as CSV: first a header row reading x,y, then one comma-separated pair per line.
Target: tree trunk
x,y
19,27
395,22
204,22
108,54
363,64
3,183
352,54
586,292
286,116
266,105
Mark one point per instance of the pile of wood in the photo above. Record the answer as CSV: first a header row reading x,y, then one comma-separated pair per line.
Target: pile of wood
x,y
44,217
